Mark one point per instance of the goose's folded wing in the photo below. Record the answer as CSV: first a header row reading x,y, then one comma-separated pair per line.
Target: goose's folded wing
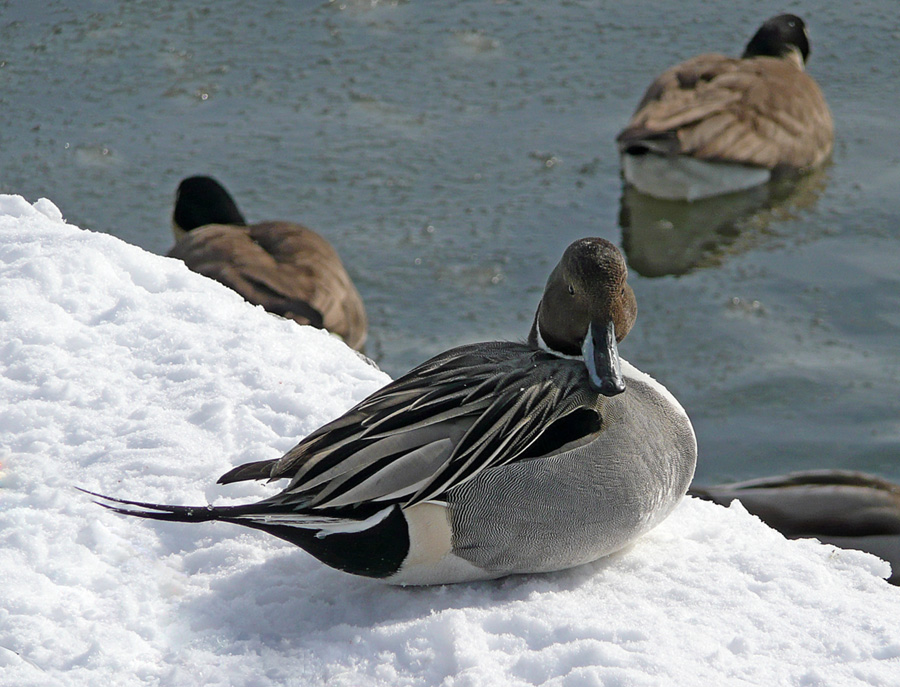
x,y
310,269
764,112
232,257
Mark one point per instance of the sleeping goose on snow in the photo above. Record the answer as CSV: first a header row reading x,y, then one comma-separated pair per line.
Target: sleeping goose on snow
x,y
284,267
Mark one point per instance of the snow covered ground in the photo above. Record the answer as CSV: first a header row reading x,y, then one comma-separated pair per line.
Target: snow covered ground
x,y
124,373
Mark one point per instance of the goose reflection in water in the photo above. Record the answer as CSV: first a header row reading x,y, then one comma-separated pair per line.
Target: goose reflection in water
x,y
666,237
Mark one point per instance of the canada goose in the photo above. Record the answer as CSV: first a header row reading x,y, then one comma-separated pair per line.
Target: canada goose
x,y
717,124
286,268
852,510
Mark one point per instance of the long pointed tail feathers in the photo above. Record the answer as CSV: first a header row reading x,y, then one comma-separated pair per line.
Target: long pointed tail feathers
x,y
156,511
260,514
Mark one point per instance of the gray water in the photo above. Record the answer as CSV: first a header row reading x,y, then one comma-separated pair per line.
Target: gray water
x,y
451,151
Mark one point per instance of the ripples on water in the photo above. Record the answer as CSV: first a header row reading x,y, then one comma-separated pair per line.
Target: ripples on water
x,y
452,150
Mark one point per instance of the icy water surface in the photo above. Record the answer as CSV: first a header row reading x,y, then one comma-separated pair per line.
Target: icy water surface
x,y
451,151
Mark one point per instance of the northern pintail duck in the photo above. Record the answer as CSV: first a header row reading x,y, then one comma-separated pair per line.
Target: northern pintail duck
x,y
489,459
716,124
286,268
852,510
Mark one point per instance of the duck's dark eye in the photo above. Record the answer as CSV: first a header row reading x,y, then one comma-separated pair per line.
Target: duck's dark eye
x,y
571,290
623,291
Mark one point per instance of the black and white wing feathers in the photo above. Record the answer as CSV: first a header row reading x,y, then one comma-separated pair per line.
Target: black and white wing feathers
x,y
465,411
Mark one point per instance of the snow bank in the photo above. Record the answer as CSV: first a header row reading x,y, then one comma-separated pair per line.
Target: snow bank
x,y
123,372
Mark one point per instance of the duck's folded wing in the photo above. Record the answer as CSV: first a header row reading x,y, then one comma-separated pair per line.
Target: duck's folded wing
x,y
427,432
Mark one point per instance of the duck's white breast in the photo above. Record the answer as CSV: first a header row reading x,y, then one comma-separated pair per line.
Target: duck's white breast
x,y
431,559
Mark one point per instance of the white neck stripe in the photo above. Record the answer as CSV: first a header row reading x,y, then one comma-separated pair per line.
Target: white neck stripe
x,y
545,347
